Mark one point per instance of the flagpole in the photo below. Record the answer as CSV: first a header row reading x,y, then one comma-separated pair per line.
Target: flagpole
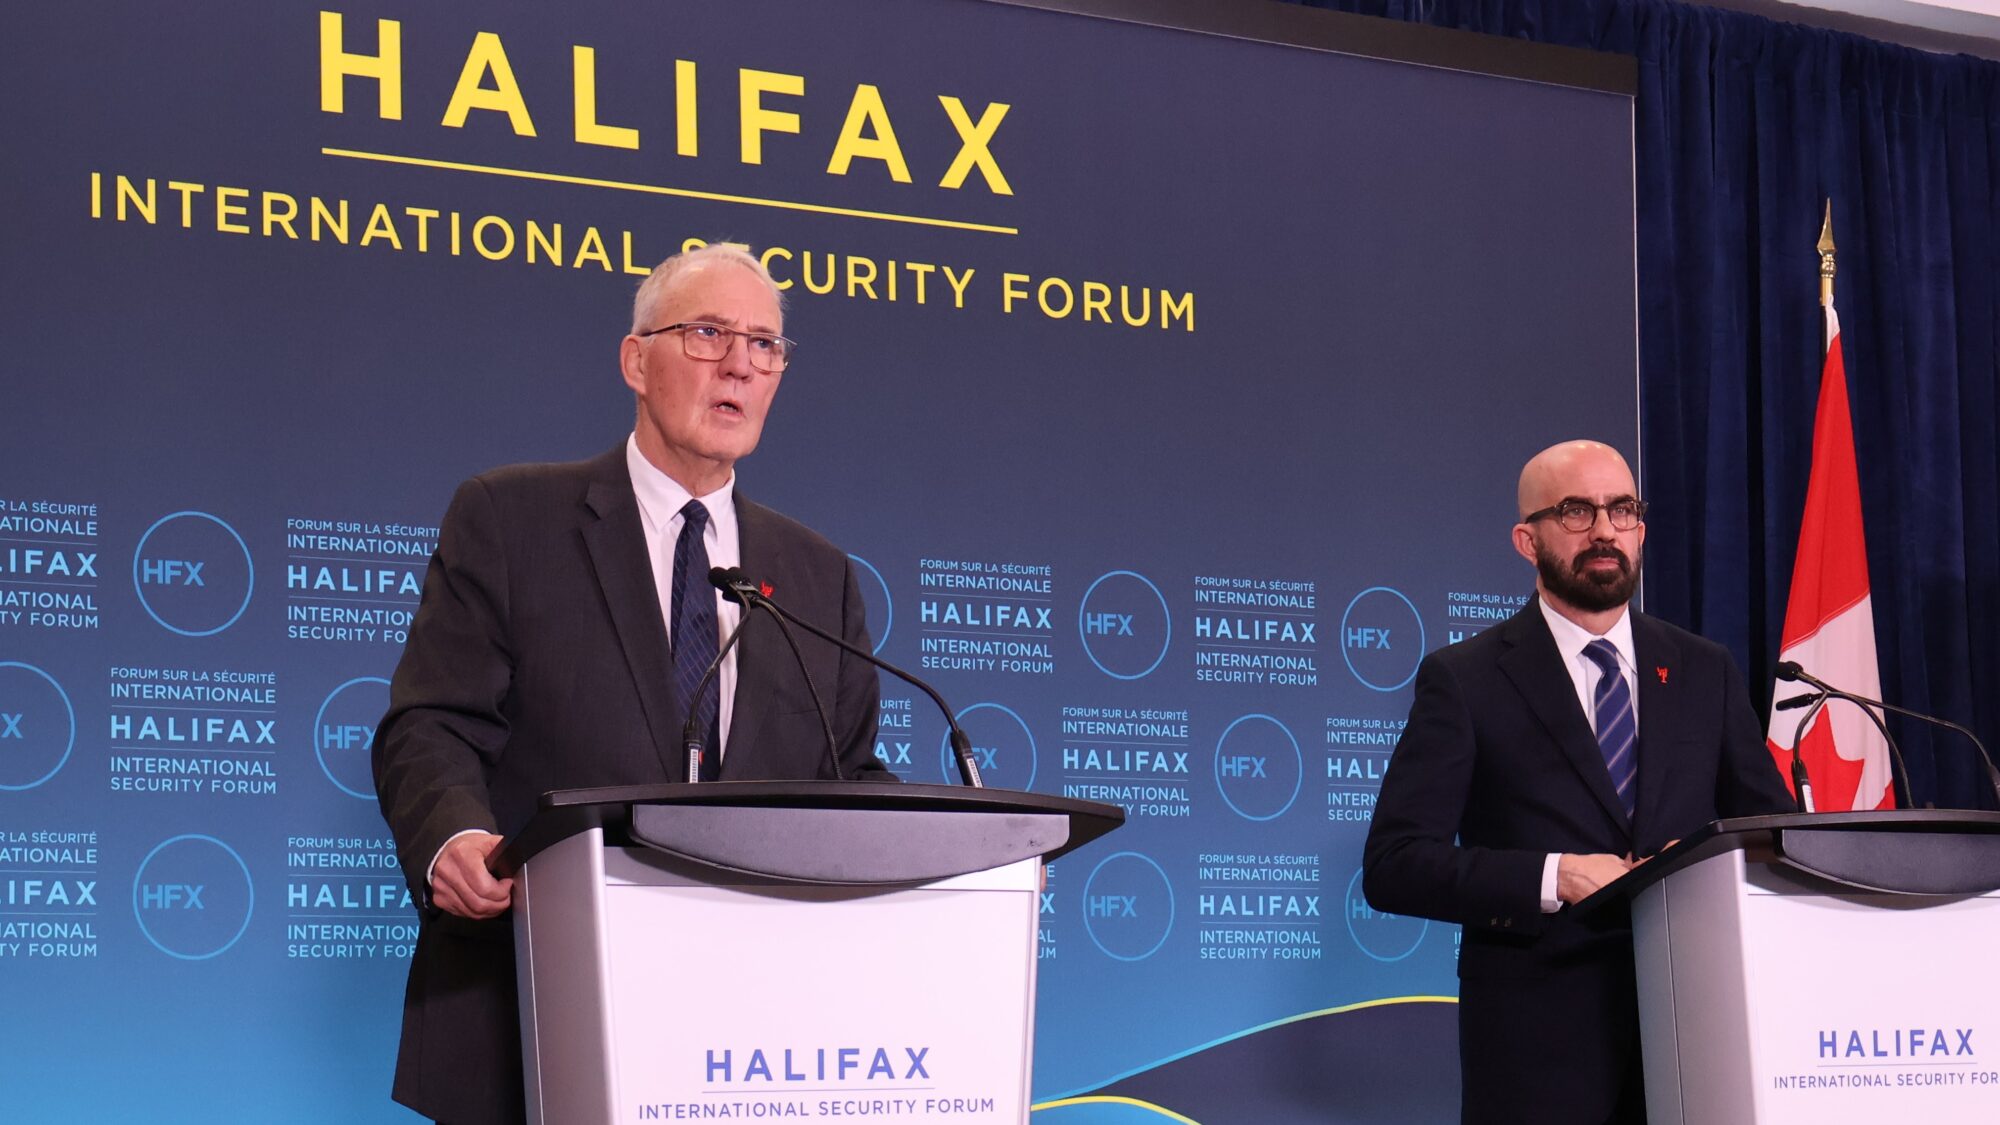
x,y
1826,256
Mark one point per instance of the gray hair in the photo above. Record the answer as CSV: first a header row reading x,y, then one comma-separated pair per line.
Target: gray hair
x,y
664,275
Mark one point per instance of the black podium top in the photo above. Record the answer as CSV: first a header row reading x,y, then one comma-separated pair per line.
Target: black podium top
x,y
818,831
1906,852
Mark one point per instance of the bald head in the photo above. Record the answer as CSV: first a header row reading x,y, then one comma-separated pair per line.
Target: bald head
x,y
1588,574
1586,469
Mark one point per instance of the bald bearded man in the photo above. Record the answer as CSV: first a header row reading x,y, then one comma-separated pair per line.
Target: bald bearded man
x,y
1541,760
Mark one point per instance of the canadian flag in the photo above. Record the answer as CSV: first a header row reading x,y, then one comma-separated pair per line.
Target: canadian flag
x,y
1829,621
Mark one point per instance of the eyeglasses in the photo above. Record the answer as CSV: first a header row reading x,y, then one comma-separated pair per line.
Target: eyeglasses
x,y
702,340
1581,515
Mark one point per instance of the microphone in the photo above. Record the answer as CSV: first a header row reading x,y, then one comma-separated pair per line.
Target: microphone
x,y
690,737
1791,670
739,587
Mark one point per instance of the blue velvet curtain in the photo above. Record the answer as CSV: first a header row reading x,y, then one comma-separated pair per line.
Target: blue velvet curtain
x,y
1744,127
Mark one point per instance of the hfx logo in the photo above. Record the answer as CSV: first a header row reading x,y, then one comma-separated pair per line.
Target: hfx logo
x,y
876,599
193,574
343,734
1258,767
1382,638
37,726
193,896
1128,906
1385,937
1002,747
1125,625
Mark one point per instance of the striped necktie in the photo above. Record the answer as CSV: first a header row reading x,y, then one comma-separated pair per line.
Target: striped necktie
x,y
1617,723
695,636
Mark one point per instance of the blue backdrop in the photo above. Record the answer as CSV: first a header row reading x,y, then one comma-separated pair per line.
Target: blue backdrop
x,y
1168,387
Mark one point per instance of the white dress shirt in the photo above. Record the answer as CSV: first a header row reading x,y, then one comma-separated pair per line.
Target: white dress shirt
x,y
661,499
1584,674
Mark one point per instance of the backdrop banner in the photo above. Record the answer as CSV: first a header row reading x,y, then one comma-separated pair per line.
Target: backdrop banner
x,y
1168,389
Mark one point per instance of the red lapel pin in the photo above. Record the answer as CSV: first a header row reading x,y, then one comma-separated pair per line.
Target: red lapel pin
x,y
1662,673
769,589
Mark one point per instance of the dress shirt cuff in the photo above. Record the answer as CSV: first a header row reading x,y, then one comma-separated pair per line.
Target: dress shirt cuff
x,y
1550,903
482,832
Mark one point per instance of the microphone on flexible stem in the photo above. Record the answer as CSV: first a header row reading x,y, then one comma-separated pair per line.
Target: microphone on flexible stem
x,y
1985,757
691,738
717,577
1801,784
1790,670
741,588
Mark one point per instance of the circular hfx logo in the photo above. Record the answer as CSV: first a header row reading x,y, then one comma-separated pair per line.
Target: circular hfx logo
x,y
1385,937
37,725
1258,767
876,599
1002,747
1128,906
1382,638
1125,625
193,574
343,734
193,897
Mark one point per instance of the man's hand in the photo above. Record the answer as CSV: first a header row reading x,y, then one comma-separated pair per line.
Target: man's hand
x,y
1580,876
460,883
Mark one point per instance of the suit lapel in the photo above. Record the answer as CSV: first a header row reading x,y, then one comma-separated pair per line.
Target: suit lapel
x,y
1661,713
615,536
1535,665
760,651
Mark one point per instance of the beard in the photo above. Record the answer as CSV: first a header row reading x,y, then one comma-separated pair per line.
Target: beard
x,y
1590,591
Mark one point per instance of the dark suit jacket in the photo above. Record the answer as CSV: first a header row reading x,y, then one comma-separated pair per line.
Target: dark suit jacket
x,y
1498,767
539,660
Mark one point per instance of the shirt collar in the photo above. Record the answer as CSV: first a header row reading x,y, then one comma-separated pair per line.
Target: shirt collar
x,y
661,497
1571,637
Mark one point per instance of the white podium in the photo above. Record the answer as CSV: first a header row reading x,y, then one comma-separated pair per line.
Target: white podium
x,y
783,951
1826,969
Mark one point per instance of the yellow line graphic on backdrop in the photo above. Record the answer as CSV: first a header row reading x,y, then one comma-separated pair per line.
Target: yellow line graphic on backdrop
x,y
1163,1111
658,189
1100,1099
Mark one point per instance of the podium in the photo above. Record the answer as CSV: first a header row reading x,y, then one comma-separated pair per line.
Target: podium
x,y
1830,968
775,950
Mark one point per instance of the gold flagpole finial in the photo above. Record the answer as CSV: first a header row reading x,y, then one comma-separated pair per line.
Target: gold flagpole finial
x,y
1826,257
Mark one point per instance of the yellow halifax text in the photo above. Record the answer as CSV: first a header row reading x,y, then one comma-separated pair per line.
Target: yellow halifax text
x,y
766,106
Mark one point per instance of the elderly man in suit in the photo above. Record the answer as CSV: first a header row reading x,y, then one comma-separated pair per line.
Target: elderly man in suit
x,y
1541,760
566,618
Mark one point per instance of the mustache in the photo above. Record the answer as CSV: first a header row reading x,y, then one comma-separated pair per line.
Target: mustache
x,y
1601,551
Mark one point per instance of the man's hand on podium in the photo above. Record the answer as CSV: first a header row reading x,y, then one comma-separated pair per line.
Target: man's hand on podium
x,y
460,883
1579,876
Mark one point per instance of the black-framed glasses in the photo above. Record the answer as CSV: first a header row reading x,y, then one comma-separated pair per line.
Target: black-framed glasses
x,y
702,340
1581,515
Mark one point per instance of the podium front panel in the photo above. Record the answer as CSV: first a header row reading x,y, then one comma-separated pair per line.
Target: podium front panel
x,y
662,989
1786,999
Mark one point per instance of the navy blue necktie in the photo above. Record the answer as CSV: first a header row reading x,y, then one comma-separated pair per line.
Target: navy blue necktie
x,y
695,636
1617,723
